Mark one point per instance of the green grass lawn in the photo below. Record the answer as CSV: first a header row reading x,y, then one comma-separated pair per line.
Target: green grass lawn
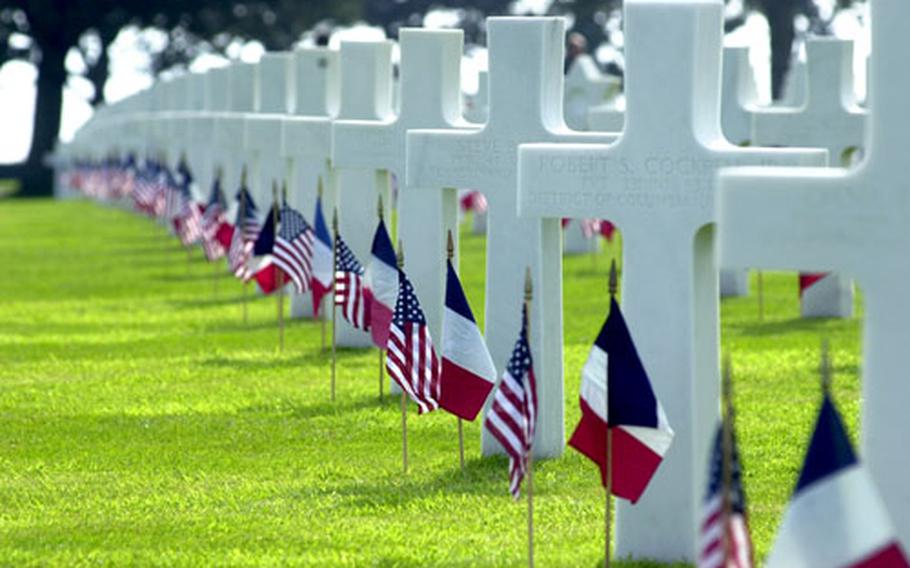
x,y
142,422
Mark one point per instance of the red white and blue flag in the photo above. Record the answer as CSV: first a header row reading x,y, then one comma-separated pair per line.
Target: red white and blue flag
x,y
724,540
512,418
468,373
323,271
382,285
349,287
410,356
641,434
213,218
188,219
836,516
293,251
246,230
267,275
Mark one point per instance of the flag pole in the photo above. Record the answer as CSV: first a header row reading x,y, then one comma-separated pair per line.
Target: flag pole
x,y
726,456
218,175
450,254
334,307
241,228
280,273
317,309
404,396
826,369
189,248
529,484
608,505
381,350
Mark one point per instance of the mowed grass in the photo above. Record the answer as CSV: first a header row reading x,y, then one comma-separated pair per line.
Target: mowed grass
x,y
142,422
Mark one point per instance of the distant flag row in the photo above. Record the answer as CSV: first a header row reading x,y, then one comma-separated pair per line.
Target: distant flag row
x,y
835,517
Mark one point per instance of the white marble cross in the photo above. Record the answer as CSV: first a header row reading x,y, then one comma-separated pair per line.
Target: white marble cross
x,y
657,184
272,96
430,98
739,97
854,221
201,126
366,94
475,104
306,137
829,118
526,56
585,88
228,134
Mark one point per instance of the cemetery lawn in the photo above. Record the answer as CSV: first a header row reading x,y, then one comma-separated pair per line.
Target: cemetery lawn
x,y
141,422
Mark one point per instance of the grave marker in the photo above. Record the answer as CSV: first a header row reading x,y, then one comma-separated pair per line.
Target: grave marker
x,y
366,94
585,88
526,56
853,221
430,98
657,184
829,118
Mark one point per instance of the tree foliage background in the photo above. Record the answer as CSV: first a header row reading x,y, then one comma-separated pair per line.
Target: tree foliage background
x,y
44,32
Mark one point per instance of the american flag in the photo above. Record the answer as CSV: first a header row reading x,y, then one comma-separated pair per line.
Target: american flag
x,y
349,286
144,189
246,229
293,251
724,540
411,359
188,221
513,416
212,219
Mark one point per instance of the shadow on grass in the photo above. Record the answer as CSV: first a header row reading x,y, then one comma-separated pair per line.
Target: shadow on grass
x,y
193,277
794,325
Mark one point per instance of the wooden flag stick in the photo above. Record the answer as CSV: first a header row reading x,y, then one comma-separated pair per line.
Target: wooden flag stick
x,y
318,309
608,505
726,455
450,254
276,217
529,483
404,396
381,350
216,272
241,228
334,307
826,369
761,296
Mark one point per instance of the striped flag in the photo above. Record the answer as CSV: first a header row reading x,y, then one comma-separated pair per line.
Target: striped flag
x,y
293,252
265,272
188,220
836,516
246,230
382,285
349,287
411,359
323,271
513,416
468,374
641,434
724,540
212,220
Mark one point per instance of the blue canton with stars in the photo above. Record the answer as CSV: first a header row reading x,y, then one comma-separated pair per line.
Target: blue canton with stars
x,y
346,261
407,308
520,361
292,224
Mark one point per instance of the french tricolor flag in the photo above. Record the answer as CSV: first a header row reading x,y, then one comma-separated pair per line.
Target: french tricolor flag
x,y
266,272
323,262
468,374
382,286
836,516
641,434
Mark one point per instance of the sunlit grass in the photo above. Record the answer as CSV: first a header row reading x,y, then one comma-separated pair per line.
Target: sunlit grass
x,y
142,422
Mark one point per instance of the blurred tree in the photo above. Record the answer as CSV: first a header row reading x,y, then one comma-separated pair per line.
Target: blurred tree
x,y
45,32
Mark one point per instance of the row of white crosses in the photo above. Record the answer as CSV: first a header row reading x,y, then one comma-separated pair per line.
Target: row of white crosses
x,y
656,181
852,221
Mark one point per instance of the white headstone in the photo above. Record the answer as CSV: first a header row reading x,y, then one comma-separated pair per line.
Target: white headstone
x,y
475,104
429,75
610,117
262,129
586,87
574,240
201,154
366,94
306,142
795,85
739,97
228,134
852,221
526,56
829,118
656,183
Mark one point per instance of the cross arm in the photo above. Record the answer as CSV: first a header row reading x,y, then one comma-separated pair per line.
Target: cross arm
x,y
788,218
366,144
447,158
306,136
